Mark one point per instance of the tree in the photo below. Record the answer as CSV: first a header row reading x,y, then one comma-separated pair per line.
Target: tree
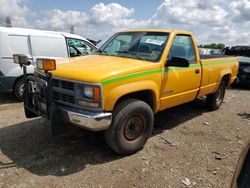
x,y
213,46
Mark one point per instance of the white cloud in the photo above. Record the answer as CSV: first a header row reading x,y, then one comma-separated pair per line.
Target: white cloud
x,y
240,10
193,12
101,16
211,21
227,34
15,10
57,19
110,13
226,21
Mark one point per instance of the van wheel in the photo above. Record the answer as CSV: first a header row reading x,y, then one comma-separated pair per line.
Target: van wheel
x,y
131,126
19,89
215,100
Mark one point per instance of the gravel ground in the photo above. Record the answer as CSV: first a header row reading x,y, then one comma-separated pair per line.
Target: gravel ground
x,y
190,145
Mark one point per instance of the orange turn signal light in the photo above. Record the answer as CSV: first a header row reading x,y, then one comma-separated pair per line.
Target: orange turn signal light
x,y
96,94
46,64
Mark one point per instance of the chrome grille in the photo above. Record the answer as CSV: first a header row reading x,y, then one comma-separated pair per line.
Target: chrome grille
x,y
55,83
67,85
63,91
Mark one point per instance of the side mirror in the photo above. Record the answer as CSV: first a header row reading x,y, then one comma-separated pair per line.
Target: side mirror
x,y
21,59
178,62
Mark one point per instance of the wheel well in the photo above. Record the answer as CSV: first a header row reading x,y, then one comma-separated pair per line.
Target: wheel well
x,y
17,79
147,96
226,78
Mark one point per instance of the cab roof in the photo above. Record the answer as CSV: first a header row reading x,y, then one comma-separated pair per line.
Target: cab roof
x,y
159,30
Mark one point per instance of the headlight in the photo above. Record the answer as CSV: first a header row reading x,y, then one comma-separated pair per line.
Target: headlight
x,y
90,96
88,92
93,93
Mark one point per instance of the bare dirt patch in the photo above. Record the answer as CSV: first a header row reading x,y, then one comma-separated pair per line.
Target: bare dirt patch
x,y
190,147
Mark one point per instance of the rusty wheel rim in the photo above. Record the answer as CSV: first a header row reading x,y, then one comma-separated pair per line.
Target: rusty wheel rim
x,y
134,128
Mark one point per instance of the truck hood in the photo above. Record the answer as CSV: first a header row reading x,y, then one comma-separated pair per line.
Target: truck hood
x,y
97,68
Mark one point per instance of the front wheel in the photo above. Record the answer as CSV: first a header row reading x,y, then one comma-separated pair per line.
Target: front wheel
x,y
215,100
132,125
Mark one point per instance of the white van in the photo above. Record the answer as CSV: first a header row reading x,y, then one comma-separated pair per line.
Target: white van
x,y
35,44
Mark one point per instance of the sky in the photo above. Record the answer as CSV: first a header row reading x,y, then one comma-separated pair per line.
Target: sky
x,y
213,21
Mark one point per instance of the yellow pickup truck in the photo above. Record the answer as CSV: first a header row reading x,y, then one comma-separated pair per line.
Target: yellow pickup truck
x,y
134,75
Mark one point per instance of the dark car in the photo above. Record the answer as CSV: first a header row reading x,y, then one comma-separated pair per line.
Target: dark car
x,y
243,52
241,177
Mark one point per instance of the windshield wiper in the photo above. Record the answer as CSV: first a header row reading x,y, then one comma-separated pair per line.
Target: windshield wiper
x,y
99,51
130,53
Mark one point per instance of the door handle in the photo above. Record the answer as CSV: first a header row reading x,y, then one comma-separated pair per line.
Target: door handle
x,y
197,71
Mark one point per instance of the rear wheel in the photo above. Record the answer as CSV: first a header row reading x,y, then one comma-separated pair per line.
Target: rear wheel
x,y
215,100
131,126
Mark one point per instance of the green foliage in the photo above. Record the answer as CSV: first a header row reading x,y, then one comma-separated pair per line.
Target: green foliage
x,y
213,46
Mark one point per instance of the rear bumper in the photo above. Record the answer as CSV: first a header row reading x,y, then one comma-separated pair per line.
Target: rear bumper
x,y
6,83
90,121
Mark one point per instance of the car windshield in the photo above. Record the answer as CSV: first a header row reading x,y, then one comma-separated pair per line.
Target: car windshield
x,y
147,46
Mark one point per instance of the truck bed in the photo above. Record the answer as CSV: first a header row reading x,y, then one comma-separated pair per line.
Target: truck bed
x,y
213,67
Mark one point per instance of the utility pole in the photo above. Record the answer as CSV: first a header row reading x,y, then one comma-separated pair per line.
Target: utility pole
x,y
8,21
72,29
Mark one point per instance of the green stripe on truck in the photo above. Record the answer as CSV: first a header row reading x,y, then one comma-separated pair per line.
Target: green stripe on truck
x,y
156,71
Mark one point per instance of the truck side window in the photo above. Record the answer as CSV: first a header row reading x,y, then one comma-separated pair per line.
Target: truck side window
x,y
183,47
79,47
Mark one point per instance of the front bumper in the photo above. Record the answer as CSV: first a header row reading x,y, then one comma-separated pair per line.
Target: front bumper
x,y
90,121
41,103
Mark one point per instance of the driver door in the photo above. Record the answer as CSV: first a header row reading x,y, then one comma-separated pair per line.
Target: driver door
x,y
181,84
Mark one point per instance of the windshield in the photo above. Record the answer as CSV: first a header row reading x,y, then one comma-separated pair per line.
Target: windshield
x,y
147,46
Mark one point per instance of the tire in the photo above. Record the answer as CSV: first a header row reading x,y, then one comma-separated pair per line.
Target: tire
x,y
19,89
131,126
215,100
235,83
29,114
